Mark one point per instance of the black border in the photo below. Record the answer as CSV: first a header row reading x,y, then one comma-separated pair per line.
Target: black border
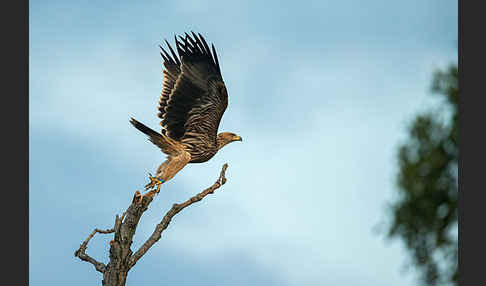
x,y
15,141
471,144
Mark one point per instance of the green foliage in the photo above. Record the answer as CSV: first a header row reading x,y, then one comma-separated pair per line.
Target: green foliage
x,y
425,214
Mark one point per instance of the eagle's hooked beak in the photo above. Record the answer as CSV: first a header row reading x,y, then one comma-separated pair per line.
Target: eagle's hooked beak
x,y
238,138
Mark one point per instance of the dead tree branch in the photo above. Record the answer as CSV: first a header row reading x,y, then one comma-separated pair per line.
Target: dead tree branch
x,y
121,257
81,252
176,208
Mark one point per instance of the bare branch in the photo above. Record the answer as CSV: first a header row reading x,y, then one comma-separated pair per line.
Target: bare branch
x,y
176,208
121,256
81,252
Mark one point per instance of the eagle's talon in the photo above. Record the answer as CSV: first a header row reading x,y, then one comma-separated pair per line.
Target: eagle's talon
x,y
154,183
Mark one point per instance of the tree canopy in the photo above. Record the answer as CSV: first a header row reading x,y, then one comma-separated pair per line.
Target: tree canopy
x,y
425,213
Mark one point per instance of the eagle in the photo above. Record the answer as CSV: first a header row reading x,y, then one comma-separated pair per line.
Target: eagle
x,y
192,102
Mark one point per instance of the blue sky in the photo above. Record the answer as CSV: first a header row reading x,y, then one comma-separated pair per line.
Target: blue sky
x,y
321,92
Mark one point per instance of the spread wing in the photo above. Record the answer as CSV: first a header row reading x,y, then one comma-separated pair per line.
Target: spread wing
x,y
194,96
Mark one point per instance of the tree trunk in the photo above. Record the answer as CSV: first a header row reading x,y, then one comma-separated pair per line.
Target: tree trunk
x,y
115,275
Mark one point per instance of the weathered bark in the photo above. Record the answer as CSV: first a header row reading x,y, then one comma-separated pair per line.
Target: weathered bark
x,y
122,259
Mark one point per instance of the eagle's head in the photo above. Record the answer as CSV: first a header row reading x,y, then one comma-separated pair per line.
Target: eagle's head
x,y
225,138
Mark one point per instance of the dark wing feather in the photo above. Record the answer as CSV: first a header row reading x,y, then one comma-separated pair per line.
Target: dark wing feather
x,y
202,123
194,96
171,73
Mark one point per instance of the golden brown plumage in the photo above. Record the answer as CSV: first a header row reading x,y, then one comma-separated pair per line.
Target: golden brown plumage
x,y
192,102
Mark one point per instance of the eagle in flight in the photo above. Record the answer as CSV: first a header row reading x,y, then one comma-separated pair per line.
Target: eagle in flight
x,y
191,105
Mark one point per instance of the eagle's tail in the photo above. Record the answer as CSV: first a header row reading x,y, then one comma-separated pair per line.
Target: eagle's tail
x,y
166,144
142,127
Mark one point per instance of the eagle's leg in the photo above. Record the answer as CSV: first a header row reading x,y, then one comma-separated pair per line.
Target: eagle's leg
x,y
154,183
165,172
